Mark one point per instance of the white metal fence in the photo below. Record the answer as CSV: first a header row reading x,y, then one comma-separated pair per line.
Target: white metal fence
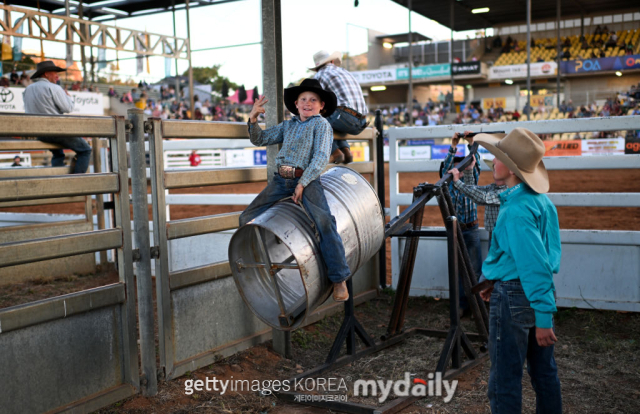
x,y
600,268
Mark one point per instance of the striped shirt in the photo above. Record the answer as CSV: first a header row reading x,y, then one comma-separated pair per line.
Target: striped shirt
x,y
305,145
466,210
344,85
488,196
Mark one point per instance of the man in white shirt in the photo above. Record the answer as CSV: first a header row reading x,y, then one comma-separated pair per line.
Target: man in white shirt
x,y
45,97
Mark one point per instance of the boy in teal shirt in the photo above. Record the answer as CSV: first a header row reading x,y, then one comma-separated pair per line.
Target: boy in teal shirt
x,y
524,256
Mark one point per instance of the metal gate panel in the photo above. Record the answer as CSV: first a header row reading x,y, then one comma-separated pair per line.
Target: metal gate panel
x,y
75,352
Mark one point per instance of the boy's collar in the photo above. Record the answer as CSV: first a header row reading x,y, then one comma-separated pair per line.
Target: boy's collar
x,y
297,117
509,192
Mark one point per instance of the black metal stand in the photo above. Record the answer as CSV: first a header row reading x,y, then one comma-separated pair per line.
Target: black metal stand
x,y
456,340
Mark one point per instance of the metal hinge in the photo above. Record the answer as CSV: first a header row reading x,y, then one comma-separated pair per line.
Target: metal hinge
x,y
135,255
128,126
148,127
155,252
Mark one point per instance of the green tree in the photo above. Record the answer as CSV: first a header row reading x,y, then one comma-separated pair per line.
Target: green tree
x,y
211,76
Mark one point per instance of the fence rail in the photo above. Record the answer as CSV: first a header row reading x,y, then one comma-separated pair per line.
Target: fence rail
x,y
584,271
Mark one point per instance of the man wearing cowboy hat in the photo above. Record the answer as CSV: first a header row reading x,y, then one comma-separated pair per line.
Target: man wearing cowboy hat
x,y
46,97
524,256
350,115
306,141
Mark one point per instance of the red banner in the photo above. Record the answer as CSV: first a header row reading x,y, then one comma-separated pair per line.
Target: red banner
x,y
563,148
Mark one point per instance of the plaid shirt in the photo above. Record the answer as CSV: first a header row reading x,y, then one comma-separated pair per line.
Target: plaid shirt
x,y
305,145
344,85
466,210
487,195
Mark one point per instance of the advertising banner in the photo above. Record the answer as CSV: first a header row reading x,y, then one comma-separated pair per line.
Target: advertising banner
x,y
260,157
632,146
606,146
563,148
85,103
415,152
360,153
544,100
520,71
439,152
467,68
601,64
419,142
375,76
421,72
494,102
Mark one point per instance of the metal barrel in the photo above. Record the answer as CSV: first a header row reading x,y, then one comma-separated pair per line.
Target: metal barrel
x,y
275,259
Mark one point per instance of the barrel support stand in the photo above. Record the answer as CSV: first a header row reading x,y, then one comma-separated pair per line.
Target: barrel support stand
x,y
456,340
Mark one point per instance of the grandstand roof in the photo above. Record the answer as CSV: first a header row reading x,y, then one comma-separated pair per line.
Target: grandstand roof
x,y
403,38
118,8
510,12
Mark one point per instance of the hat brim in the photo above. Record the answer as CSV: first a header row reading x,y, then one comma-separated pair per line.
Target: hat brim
x,y
489,163
538,179
328,97
334,56
53,69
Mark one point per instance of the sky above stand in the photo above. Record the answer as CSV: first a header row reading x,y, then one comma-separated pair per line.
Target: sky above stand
x,y
307,27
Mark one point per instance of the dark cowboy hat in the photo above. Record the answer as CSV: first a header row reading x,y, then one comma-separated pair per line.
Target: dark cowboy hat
x,y
310,85
46,66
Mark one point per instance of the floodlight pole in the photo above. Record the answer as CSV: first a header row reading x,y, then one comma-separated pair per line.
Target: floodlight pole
x,y
192,102
452,107
559,49
528,59
410,97
177,79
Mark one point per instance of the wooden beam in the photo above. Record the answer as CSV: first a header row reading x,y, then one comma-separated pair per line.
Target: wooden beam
x,y
202,225
19,189
185,179
200,274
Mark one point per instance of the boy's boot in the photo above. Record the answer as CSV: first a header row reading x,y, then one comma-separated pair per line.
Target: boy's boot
x,y
340,292
336,157
348,157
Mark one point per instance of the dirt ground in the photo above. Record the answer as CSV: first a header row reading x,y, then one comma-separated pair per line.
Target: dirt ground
x,y
597,352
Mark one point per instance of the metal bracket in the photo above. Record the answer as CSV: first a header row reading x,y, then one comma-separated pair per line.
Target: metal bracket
x,y
128,126
109,205
135,255
155,252
148,127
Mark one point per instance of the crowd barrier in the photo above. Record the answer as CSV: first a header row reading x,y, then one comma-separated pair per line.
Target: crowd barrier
x,y
75,352
600,268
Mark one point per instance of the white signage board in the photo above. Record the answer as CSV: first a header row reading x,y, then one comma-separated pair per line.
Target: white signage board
x,y
520,71
85,103
415,152
375,76
604,146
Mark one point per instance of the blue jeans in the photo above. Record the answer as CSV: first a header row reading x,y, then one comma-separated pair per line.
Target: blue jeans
x,y
316,205
345,123
472,241
512,340
79,145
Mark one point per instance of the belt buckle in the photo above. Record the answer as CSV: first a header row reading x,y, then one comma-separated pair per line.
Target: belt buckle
x,y
287,171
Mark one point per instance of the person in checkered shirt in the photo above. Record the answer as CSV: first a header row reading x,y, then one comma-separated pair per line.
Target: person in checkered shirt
x,y
487,195
350,115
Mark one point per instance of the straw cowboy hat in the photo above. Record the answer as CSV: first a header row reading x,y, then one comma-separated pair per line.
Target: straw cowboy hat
x,y
521,151
46,66
489,163
323,57
310,85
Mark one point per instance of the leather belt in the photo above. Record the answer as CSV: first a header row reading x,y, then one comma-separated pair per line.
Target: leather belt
x,y
287,171
351,112
466,226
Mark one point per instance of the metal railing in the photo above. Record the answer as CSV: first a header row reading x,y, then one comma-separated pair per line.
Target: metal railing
x,y
74,335
574,285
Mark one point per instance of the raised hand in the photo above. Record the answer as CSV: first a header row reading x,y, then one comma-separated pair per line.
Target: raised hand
x,y
258,108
